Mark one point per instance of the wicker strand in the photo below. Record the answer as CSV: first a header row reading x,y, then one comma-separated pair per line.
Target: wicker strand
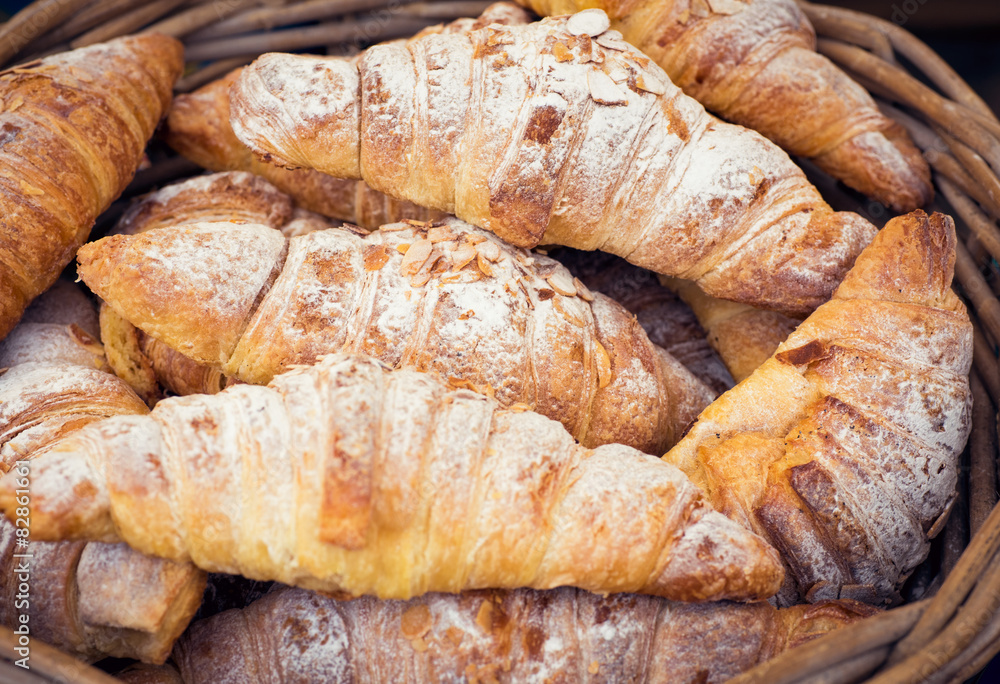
x,y
12,674
128,23
52,663
33,21
826,652
980,652
267,18
851,29
955,589
210,72
84,20
974,129
191,19
919,53
982,459
985,361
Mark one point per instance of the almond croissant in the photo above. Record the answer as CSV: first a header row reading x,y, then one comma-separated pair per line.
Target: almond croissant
x,y
447,297
346,477
754,62
73,129
562,635
237,197
555,132
842,448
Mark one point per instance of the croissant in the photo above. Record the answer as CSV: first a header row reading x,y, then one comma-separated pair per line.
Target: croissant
x,y
350,478
600,151
743,336
74,129
442,296
197,126
754,62
237,197
842,448
669,322
91,599
523,635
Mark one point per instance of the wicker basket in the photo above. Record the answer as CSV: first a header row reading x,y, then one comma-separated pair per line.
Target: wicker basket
x,y
949,628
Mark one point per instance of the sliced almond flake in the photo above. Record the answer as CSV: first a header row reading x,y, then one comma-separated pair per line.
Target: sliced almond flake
x,y
561,52
375,257
440,234
488,390
450,278
403,247
612,40
419,645
684,16
415,223
455,635
756,175
519,407
499,37
542,251
700,8
462,255
484,618
525,259
468,314
394,227
604,90
567,315
581,289
594,667
484,265
416,621
15,103
546,294
597,56
617,72
415,256
527,297
511,286
604,374
488,250
727,6
562,283
591,22
546,268
475,238
651,84
460,383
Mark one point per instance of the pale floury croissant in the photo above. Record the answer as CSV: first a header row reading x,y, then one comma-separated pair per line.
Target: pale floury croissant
x,y
346,477
91,599
562,635
842,448
74,129
753,62
557,132
442,296
236,197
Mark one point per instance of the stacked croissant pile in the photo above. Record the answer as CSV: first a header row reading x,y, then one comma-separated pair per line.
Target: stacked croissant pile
x,y
370,384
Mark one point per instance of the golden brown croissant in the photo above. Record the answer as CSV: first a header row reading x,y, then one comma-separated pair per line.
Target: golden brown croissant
x,y
91,599
754,62
668,321
447,297
74,127
346,477
562,635
553,132
236,197
743,336
198,127
842,448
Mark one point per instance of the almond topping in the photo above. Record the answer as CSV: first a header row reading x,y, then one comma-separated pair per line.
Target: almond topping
x,y
468,314
651,84
375,256
546,294
454,635
484,265
612,40
604,90
475,238
402,247
415,223
419,645
603,367
567,315
591,22
562,283
561,52
581,289
462,255
393,227
484,618
17,102
415,256
440,234
618,73
519,407
594,668
488,250
727,6
416,621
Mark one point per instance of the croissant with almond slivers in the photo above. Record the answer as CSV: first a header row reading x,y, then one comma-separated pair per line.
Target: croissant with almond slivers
x,y
842,448
557,132
443,296
73,128
754,62
351,478
562,635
